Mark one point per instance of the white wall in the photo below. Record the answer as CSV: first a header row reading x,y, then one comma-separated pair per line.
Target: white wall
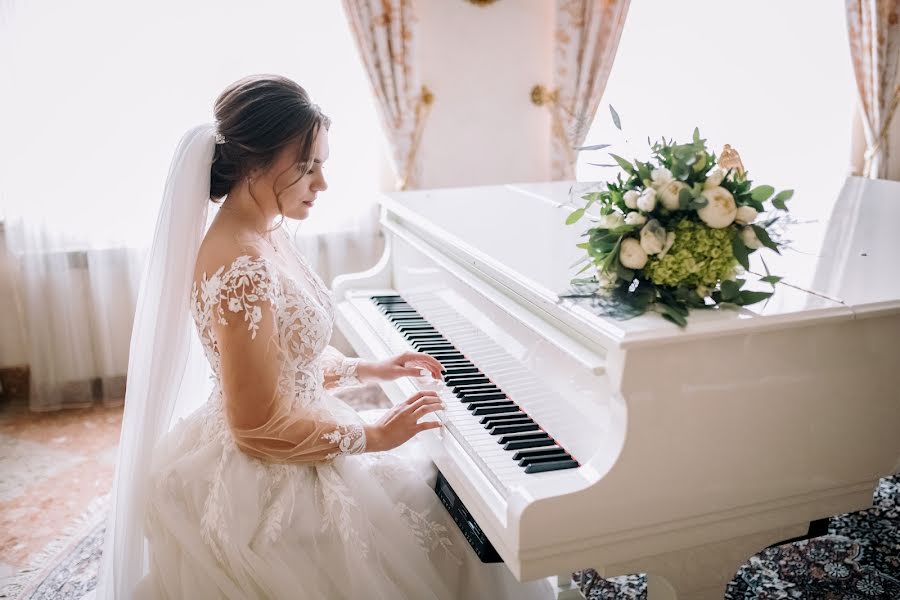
x,y
481,63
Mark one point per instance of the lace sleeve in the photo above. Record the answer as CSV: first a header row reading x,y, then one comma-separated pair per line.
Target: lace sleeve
x,y
265,422
339,370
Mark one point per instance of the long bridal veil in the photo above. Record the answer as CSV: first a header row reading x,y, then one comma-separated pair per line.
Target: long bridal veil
x,y
167,373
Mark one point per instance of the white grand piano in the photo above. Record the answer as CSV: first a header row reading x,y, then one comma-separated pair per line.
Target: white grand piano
x,y
578,441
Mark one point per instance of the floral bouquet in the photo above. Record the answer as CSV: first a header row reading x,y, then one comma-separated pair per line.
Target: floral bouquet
x,y
675,233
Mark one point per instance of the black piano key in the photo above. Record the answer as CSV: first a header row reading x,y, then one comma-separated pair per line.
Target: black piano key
x,y
387,298
472,382
440,356
494,410
517,428
478,396
421,337
489,420
526,443
523,436
454,381
437,349
416,326
461,370
535,452
461,392
399,310
530,460
405,318
493,404
551,466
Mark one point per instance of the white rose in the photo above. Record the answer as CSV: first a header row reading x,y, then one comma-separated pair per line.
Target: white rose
x,y
660,176
714,178
647,200
631,198
720,209
745,215
631,255
668,194
635,218
748,236
612,220
670,239
653,237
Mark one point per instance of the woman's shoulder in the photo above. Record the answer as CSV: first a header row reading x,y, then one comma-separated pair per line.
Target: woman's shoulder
x,y
228,262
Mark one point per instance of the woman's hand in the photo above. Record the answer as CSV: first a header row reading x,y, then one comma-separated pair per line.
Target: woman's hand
x,y
401,422
408,364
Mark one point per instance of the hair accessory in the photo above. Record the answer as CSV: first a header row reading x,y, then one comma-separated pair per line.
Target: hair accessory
x,y
220,138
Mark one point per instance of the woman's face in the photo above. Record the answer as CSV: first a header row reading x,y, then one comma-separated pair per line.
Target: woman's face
x,y
297,188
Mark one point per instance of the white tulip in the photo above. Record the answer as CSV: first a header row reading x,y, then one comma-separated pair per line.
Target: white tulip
x,y
612,220
714,178
720,209
660,176
635,218
647,200
631,198
745,215
668,194
670,239
631,255
653,237
748,236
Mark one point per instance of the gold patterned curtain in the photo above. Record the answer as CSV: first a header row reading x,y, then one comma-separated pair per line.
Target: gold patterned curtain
x,y
587,37
384,31
875,50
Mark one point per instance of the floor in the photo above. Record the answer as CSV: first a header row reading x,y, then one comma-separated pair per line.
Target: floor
x,y
53,468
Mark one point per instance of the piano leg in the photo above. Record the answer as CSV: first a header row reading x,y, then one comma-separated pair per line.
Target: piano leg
x,y
565,588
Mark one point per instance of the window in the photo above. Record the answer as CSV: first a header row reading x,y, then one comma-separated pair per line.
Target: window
x,y
97,94
773,79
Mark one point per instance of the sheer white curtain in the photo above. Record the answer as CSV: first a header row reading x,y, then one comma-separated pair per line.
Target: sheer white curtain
x,y
96,96
771,78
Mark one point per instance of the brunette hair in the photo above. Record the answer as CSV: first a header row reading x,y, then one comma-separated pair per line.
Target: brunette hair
x,y
259,116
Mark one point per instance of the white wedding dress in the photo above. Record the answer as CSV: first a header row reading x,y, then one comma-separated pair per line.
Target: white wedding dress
x,y
224,524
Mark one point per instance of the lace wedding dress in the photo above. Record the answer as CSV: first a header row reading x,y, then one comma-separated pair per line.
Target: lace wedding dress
x,y
322,520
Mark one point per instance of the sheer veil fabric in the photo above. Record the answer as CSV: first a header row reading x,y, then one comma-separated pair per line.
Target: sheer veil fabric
x,y
168,375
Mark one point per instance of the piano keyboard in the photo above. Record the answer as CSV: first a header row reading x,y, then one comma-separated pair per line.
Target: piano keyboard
x,y
475,403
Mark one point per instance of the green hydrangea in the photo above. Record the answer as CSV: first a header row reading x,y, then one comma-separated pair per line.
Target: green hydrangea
x,y
699,256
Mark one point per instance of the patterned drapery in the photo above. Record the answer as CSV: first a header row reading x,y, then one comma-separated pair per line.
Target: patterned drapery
x,y
586,39
874,36
385,34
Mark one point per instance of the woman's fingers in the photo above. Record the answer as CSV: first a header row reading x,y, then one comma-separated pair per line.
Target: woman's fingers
x,y
425,401
426,360
420,394
426,425
424,410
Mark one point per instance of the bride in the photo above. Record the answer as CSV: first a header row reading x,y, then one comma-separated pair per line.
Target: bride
x,y
272,487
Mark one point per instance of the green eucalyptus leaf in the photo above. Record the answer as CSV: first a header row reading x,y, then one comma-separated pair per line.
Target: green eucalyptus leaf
x,y
575,216
763,236
615,117
731,289
747,297
741,252
761,193
626,166
771,279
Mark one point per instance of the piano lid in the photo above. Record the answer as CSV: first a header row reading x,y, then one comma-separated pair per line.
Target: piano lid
x,y
515,236
845,247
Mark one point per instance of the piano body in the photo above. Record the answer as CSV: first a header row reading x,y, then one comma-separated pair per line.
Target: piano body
x,y
677,453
